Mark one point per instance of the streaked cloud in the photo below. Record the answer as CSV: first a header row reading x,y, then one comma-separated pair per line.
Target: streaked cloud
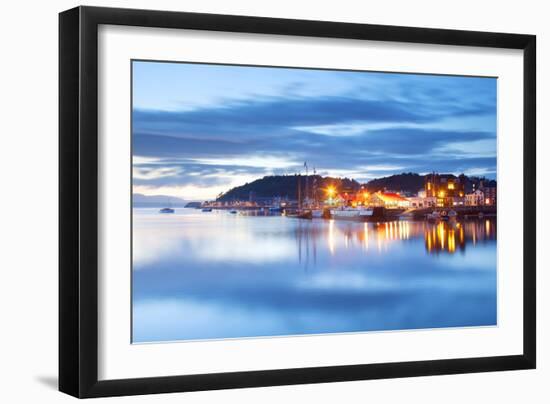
x,y
144,173
250,161
235,124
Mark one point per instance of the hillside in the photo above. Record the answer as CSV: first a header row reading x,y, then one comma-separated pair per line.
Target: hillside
x,y
411,183
406,182
286,186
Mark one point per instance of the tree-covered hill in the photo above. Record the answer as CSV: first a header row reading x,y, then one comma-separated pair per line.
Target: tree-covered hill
x,y
405,182
286,186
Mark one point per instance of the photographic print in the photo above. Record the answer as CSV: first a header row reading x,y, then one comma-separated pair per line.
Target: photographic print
x,y
277,201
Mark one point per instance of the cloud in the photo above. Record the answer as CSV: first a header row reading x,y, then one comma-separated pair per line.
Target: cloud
x,y
250,161
144,173
361,126
218,166
472,148
235,122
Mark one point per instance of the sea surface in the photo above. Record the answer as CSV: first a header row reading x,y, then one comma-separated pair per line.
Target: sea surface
x,y
208,275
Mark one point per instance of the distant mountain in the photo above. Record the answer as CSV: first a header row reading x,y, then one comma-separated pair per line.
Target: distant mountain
x,y
286,186
140,200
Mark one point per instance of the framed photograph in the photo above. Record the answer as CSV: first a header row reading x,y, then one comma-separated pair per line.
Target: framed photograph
x,y
251,201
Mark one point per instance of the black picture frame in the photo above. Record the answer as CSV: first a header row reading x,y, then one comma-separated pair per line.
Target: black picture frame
x,y
78,201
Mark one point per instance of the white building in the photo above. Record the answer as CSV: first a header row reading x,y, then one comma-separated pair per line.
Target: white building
x,y
422,201
475,198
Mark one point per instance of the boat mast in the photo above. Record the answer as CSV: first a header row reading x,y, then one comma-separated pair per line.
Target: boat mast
x,y
299,178
314,187
306,190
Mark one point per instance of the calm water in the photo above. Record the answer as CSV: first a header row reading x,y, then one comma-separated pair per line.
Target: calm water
x,y
210,275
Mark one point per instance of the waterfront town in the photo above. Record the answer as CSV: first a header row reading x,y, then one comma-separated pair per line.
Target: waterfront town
x,y
441,195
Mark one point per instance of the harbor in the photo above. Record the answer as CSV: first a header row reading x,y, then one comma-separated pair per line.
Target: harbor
x,y
442,197
374,214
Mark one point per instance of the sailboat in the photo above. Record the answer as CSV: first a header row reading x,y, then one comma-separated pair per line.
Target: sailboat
x,y
302,213
316,211
168,209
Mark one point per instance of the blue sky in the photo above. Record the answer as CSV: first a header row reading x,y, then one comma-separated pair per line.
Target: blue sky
x,y
201,129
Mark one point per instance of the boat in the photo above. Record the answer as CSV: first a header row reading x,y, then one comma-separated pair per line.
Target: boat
x,y
233,211
166,210
306,214
442,215
452,215
207,209
300,214
433,216
350,213
317,213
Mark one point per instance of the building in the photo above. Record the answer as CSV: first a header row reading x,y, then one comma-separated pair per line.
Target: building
x,y
422,201
388,200
260,201
489,195
483,196
347,197
475,198
448,189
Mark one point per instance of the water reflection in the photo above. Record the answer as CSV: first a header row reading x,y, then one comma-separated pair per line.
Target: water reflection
x,y
450,237
442,237
219,275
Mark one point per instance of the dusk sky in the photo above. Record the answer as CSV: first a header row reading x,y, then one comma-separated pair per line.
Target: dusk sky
x,y
199,130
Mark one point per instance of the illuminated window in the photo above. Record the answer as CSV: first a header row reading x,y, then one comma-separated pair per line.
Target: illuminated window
x,y
451,185
429,185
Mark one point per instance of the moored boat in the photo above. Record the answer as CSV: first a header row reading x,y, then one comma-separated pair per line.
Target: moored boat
x,y
442,215
452,215
166,210
207,209
433,216
300,214
349,213
305,215
317,213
